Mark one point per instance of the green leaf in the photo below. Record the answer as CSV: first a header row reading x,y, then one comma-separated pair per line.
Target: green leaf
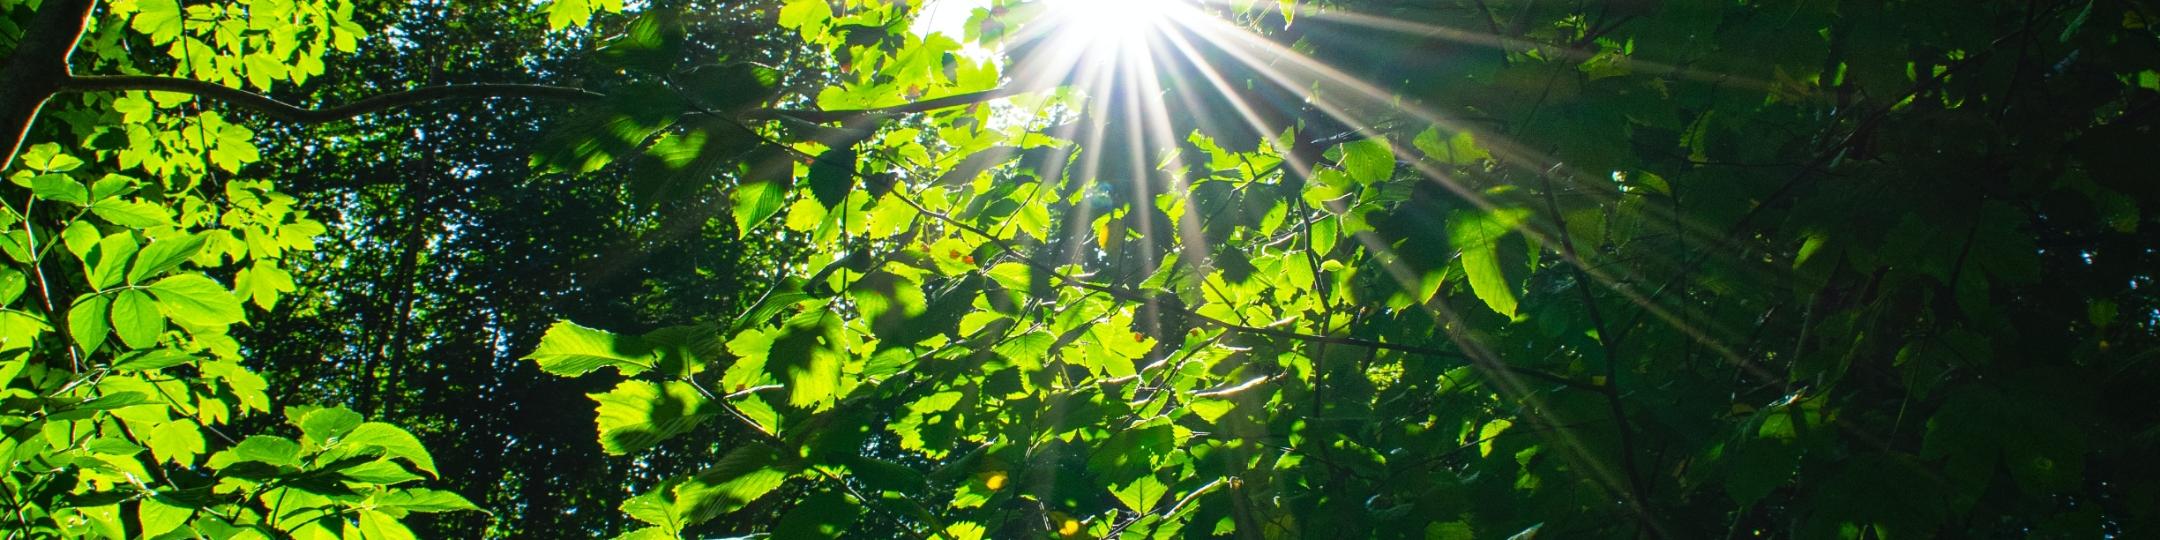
x,y
563,14
20,330
823,515
728,87
382,472
160,515
80,236
322,425
151,359
653,508
744,476
425,500
968,530
107,261
245,385
1369,161
756,202
1141,494
394,442
159,19
570,350
1211,409
1458,149
114,446
112,185
105,402
651,42
136,320
50,158
59,187
1452,530
191,299
637,414
175,441
832,176
12,285
376,525
162,255
804,357
278,451
134,214
1477,234
809,16
651,533
87,322
264,283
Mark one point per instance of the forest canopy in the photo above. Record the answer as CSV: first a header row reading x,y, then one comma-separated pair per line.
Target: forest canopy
x,y
1149,269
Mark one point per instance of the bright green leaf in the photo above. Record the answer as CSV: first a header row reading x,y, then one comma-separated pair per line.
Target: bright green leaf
x,y
1477,234
135,214
192,299
571,350
1369,161
87,322
637,414
135,318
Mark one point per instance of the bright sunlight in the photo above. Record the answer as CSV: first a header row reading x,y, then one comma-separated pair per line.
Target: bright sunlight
x,y
1112,23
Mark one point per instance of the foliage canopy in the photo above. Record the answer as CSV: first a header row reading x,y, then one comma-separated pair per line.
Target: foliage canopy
x,y
1454,269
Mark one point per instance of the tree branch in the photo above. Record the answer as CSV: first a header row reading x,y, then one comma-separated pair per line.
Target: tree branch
x,y
385,102
291,113
928,105
35,68
1636,492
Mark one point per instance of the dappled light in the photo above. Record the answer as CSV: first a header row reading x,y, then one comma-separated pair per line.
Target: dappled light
x,y
1108,269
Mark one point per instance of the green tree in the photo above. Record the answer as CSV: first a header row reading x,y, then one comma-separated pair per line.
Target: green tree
x,y
447,255
126,395
1792,269
1468,268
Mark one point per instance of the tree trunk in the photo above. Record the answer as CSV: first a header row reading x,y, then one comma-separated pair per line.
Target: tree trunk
x,y
37,69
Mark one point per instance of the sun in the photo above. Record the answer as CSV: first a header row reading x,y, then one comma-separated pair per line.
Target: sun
x,y
1117,24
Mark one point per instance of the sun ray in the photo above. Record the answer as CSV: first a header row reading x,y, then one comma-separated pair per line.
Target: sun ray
x,y
1515,44
1406,277
1156,131
1358,88
1132,94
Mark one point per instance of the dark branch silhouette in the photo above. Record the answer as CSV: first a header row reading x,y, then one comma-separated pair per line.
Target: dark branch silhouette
x,y
280,110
